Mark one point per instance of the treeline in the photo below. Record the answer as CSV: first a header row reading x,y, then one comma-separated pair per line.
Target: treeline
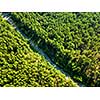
x,y
71,40
22,67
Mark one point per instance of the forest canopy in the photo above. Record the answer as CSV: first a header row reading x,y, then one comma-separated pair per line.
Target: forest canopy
x,y
20,66
71,40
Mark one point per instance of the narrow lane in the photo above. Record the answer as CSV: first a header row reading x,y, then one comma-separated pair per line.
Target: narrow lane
x,y
40,51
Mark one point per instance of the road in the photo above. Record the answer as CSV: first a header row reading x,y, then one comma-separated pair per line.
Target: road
x,y
40,51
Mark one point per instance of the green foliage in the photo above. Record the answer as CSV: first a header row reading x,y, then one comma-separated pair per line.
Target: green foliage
x,y
71,40
20,66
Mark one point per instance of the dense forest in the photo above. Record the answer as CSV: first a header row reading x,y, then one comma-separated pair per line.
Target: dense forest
x,y
71,40
22,66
